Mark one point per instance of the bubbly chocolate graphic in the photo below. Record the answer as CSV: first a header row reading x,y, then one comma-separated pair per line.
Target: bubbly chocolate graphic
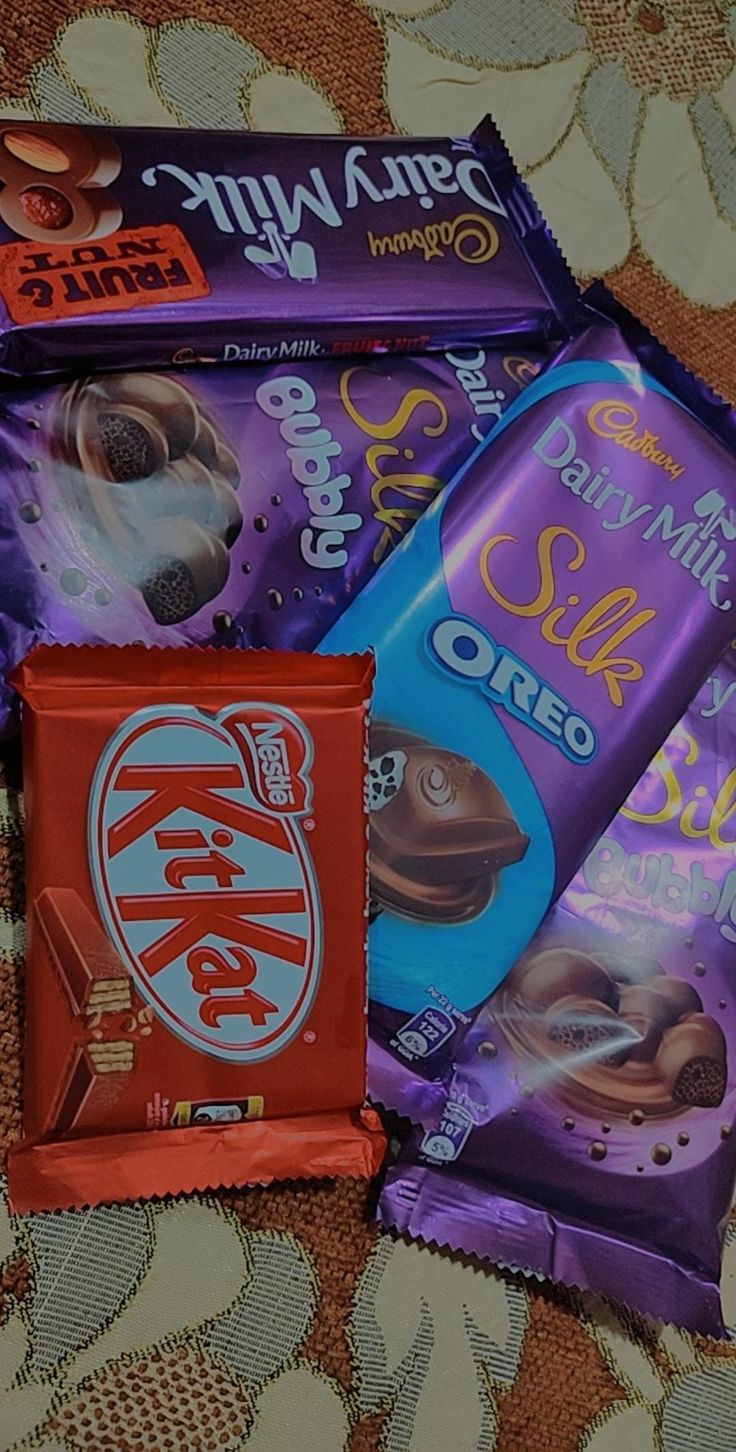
x,y
441,832
552,974
587,1026
152,485
692,1057
648,1013
625,1037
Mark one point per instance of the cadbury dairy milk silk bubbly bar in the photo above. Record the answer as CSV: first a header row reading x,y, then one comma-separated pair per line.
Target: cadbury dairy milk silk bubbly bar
x,y
587,1134
241,506
536,636
126,248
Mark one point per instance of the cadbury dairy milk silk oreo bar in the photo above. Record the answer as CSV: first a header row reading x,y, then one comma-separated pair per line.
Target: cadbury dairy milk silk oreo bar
x,y
125,248
242,506
536,637
593,1101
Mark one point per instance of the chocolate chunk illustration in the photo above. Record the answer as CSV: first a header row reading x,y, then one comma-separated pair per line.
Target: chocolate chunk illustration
x,y
627,966
558,972
692,1059
587,1027
133,444
682,995
648,1013
441,831
185,567
137,453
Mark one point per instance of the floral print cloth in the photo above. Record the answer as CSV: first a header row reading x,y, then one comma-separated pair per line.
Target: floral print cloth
x,y
281,1318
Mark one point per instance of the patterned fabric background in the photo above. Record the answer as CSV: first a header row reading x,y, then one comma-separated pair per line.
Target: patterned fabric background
x,y
280,1318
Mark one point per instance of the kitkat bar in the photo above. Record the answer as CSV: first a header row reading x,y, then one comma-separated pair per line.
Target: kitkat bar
x,y
92,1081
89,970
197,894
123,248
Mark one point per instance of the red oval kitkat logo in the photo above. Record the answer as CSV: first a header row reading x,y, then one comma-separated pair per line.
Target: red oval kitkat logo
x,y
202,874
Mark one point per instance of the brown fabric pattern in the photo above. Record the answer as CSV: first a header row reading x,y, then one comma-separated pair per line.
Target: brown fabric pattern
x,y
158,1398
561,1380
331,1220
338,44
567,1378
702,337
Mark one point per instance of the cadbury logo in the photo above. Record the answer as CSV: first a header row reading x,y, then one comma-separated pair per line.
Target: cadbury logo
x,y
619,421
202,874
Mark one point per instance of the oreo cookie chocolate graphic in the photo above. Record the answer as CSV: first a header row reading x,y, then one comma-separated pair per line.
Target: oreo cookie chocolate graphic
x,y
623,1035
441,832
153,485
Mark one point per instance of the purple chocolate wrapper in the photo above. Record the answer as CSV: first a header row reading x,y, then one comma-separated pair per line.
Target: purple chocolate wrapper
x,y
124,248
588,1134
536,638
235,506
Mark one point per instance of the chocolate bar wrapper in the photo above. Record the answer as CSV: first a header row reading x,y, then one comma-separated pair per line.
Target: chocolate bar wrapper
x,y
537,636
129,248
588,1134
196,984
229,506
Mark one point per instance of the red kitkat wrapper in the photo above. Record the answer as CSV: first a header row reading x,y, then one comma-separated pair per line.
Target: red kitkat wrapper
x,y
197,878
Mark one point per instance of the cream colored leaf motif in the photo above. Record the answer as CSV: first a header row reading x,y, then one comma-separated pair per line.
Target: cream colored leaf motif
x,y
700,1412
195,1272
679,1348
610,107
300,1409
54,98
272,1315
108,59
428,94
425,1326
402,8
203,70
728,1279
8,1244
628,1429
13,1351
674,212
583,207
23,1409
11,110
510,32
12,939
627,1361
276,101
79,1285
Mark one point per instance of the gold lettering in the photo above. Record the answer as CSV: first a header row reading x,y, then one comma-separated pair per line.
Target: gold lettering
x,y
611,418
614,419
724,808
664,768
546,592
469,229
597,618
413,399
473,239
396,518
